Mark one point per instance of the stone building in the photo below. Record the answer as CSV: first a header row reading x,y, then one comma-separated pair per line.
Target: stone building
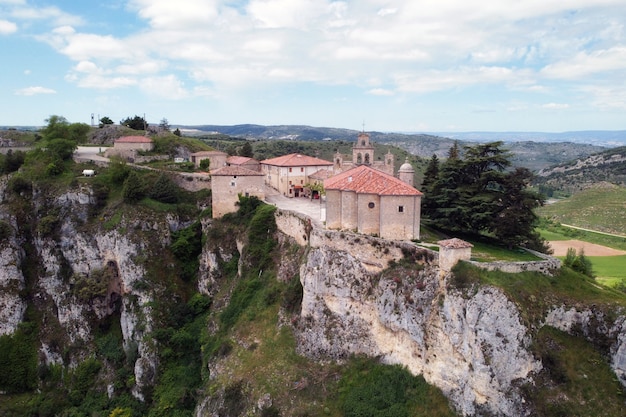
x,y
290,173
373,202
363,154
217,158
228,182
451,251
127,147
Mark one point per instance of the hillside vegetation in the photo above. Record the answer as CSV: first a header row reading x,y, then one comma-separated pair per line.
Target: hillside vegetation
x,y
582,173
601,208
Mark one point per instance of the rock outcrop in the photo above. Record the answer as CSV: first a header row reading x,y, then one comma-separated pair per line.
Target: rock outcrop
x,y
474,348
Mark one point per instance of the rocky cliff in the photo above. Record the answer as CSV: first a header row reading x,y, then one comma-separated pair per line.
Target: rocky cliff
x,y
86,276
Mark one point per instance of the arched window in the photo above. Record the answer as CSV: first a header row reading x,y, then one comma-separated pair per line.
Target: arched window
x,y
359,158
367,158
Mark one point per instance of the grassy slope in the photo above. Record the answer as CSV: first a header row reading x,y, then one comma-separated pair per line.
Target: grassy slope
x,y
600,208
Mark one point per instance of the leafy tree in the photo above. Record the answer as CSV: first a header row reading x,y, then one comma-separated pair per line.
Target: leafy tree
x,y
62,149
177,132
164,125
105,121
136,123
578,262
246,150
59,128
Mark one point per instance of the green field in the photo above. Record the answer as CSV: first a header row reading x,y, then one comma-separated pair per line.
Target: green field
x,y
609,270
602,208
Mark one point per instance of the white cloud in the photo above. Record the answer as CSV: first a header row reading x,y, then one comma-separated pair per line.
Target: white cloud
x,y
6,27
167,87
586,63
555,106
380,92
36,90
52,14
167,14
296,14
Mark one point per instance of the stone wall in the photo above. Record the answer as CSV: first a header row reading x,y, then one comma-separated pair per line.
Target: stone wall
x,y
373,252
547,266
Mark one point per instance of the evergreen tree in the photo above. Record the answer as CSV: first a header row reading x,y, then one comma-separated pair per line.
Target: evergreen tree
x,y
164,190
516,218
134,189
476,194
431,174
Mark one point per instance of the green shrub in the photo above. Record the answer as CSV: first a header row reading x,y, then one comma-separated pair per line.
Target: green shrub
x,y
48,224
134,188
375,390
18,359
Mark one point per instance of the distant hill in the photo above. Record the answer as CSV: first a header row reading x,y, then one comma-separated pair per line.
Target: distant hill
x,y
607,166
606,138
530,154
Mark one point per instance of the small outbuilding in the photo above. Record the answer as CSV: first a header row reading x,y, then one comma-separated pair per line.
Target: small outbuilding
x,y
228,183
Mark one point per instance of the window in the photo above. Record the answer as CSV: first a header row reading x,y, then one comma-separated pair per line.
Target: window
x,y
400,209
301,169
232,183
301,181
290,169
371,205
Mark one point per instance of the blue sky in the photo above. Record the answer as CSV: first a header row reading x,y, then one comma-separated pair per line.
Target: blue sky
x,y
395,65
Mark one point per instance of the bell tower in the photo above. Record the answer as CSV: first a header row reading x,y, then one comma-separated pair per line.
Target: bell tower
x,y
363,150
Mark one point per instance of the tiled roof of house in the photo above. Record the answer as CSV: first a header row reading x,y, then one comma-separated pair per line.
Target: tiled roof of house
x,y
238,160
321,174
296,160
232,170
366,180
133,139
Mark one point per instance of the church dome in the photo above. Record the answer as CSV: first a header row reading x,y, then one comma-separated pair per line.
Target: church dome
x,y
406,167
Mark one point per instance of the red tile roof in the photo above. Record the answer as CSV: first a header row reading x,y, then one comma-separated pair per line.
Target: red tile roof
x,y
296,160
366,180
235,170
133,139
208,153
321,174
238,160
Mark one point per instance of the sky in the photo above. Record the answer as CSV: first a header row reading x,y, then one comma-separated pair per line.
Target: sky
x,y
384,65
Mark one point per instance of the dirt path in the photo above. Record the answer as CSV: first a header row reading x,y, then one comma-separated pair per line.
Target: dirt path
x,y
591,249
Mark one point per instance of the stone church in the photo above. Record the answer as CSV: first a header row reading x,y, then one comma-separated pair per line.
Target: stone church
x,y
363,154
365,196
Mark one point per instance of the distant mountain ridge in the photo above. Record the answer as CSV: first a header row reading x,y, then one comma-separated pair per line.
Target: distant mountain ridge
x,y
530,154
608,166
605,138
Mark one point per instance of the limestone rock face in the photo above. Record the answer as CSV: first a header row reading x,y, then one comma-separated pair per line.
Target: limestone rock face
x,y
68,246
11,284
474,348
